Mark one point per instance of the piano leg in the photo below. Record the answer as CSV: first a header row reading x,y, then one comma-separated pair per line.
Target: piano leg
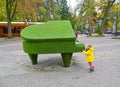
x,y
33,58
66,58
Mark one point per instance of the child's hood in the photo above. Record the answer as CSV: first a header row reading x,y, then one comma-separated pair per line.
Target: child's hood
x,y
91,48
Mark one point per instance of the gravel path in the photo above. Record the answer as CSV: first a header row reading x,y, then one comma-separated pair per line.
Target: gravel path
x,y
16,69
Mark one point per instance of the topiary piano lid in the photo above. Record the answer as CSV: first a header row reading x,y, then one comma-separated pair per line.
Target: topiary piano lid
x,y
51,30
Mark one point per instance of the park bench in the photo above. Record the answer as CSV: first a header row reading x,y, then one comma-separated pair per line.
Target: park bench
x,y
51,37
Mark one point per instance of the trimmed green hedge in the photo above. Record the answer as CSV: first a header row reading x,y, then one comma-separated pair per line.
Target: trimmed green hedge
x,y
52,30
52,47
51,37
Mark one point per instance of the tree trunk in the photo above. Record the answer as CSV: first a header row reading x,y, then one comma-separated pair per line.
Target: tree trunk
x,y
110,4
9,30
80,16
8,8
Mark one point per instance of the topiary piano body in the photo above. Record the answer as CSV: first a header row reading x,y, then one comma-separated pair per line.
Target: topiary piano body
x,y
51,37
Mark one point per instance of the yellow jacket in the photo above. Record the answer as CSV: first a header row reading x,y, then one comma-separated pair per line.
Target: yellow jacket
x,y
89,54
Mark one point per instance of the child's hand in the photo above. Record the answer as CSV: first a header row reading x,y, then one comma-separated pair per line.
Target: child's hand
x,y
86,49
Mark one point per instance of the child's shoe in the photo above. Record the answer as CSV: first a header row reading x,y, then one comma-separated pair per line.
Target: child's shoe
x,y
91,70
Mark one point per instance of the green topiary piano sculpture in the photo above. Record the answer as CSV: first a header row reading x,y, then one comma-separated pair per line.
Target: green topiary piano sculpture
x,y
51,37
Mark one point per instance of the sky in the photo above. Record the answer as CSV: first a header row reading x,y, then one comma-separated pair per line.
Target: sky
x,y
72,3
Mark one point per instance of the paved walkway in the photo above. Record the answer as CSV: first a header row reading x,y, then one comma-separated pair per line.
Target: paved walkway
x,y
16,69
